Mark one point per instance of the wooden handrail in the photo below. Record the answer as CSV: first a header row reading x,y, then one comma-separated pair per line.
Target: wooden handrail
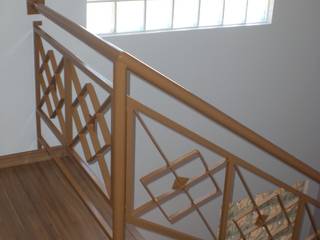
x,y
106,49
169,86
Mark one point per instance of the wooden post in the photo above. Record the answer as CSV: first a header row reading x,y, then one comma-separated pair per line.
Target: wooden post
x,y
68,102
31,10
299,220
118,153
36,40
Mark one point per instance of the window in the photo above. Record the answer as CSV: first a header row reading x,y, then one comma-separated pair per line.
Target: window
x,y
125,16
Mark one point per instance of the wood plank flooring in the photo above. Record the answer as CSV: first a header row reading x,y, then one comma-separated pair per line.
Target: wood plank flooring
x,y
37,203
96,196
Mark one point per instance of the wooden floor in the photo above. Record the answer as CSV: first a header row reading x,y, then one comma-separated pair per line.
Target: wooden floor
x,y
37,202
97,198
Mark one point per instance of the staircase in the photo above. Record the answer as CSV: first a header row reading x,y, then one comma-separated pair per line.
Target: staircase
x,y
97,169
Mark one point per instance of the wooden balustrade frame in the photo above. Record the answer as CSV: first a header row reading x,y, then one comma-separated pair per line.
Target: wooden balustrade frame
x,y
55,91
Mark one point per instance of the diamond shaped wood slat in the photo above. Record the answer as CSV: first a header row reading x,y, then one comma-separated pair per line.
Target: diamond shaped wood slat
x,y
181,184
171,167
316,231
51,85
266,219
255,206
92,122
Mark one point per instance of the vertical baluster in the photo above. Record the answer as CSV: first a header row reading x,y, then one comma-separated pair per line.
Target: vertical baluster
x,y
299,220
36,40
68,132
131,125
227,198
312,221
118,154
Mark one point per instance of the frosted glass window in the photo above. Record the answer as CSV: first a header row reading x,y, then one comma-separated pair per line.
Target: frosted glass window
x,y
126,16
100,17
185,13
235,12
257,11
130,16
211,12
159,14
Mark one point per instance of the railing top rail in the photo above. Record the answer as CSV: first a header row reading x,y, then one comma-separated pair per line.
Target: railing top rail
x,y
162,82
106,49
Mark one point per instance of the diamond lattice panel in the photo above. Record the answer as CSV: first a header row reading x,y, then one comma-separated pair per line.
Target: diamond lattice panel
x,y
182,185
92,131
51,84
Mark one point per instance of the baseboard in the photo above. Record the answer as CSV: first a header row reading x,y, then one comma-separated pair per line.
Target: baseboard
x,y
23,158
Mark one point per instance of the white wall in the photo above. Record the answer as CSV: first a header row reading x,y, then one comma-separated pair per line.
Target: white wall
x,y
16,68
17,128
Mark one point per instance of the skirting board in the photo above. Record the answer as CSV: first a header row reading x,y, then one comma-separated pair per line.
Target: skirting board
x,y
29,157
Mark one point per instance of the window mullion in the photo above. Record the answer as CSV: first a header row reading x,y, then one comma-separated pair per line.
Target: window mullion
x,y
199,12
145,16
115,15
268,11
223,12
172,17
246,14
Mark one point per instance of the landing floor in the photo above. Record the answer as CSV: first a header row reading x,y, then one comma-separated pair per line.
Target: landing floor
x,y
38,203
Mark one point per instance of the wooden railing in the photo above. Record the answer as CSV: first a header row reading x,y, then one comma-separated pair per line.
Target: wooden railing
x,y
74,111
